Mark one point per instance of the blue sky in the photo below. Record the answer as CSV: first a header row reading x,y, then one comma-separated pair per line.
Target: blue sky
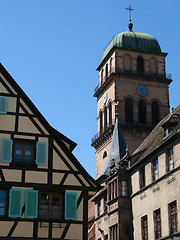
x,y
52,49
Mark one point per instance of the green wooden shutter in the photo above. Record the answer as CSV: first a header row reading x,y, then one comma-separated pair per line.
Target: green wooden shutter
x,y
41,153
6,150
15,203
31,207
3,105
71,205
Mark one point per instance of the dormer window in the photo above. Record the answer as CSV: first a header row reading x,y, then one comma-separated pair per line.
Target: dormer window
x,y
169,128
171,123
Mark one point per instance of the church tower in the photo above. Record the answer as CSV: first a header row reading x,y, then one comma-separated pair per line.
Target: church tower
x,y
133,82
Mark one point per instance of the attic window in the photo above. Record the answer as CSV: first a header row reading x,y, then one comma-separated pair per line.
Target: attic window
x,y
169,128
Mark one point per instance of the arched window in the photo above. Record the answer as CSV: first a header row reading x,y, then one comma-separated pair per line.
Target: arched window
x,y
105,118
140,64
104,154
101,122
127,62
153,66
155,112
110,66
106,71
142,111
110,113
102,75
129,110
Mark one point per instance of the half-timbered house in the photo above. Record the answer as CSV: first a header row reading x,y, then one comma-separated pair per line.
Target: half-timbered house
x,y
43,188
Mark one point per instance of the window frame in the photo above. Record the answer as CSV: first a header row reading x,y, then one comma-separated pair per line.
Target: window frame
x,y
113,232
170,156
157,223
24,143
142,177
99,208
173,221
61,205
129,110
142,111
124,188
155,170
144,227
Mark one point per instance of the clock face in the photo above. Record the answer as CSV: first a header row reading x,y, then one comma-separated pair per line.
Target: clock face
x,y
142,90
104,97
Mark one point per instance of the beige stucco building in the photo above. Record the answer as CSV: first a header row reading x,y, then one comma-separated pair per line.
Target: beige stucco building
x,y
155,181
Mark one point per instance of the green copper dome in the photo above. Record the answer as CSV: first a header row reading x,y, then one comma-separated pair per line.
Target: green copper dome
x,y
133,40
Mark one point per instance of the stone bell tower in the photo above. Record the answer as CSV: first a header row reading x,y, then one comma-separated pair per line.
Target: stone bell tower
x,y
132,77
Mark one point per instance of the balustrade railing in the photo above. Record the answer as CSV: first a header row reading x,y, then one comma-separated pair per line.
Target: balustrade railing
x,y
102,131
121,71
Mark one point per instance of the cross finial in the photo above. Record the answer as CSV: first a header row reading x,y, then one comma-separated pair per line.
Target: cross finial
x,y
130,10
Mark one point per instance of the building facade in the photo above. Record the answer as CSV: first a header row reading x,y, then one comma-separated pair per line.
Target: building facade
x,y
155,179
44,190
132,74
112,202
134,85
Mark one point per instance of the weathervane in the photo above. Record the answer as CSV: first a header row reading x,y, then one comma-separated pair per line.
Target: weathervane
x,y
130,25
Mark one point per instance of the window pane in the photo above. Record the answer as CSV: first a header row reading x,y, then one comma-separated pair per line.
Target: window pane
x,y
2,202
1,211
2,194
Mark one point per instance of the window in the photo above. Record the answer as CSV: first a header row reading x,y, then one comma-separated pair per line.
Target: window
x,y
170,159
3,203
24,152
113,232
106,237
142,111
102,76
124,189
105,203
106,71
50,205
110,66
172,217
142,177
105,118
112,190
155,170
140,65
129,110
101,122
155,112
104,154
157,224
144,228
99,208
110,113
